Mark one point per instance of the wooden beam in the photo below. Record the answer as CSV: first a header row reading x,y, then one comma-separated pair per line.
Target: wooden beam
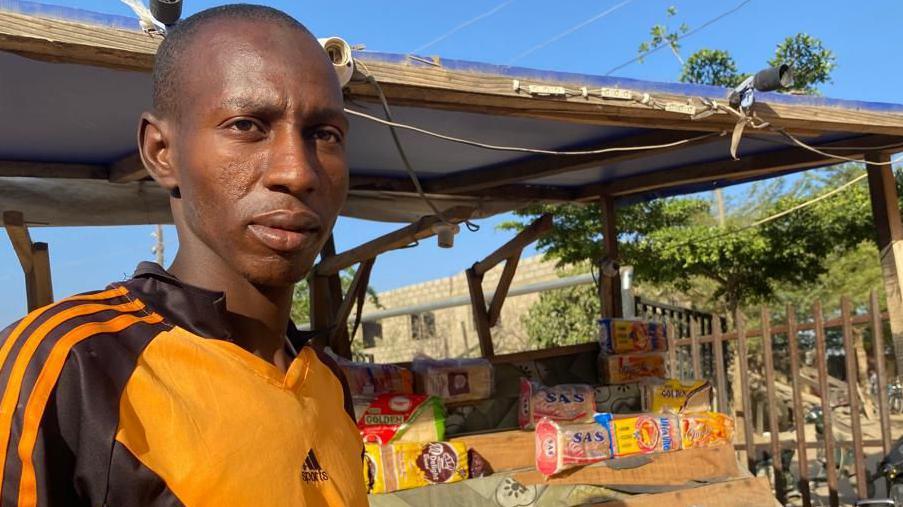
x,y
610,286
127,169
436,87
886,214
20,169
746,167
356,290
539,227
480,317
746,492
501,291
402,237
43,286
15,226
369,183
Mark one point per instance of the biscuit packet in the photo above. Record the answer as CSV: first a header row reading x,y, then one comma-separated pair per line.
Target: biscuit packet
x,y
621,336
706,429
645,433
563,446
676,396
402,418
626,368
369,380
565,403
454,380
395,467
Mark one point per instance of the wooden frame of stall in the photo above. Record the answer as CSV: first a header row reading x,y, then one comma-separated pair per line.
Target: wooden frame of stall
x,y
418,82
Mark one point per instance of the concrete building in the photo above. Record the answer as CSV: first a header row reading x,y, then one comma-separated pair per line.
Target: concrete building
x,y
449,332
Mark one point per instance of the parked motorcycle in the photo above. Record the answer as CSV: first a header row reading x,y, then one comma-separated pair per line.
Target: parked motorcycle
x,y
891,470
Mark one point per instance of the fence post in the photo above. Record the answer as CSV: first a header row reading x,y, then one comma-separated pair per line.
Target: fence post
x,y
878,351
821,363
798,417
774,431
694,348
720,380
742,358
852,367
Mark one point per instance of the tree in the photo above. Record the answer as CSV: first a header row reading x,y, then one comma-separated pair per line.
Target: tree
x,y
301,296
713,67
660,35
563,317
812,63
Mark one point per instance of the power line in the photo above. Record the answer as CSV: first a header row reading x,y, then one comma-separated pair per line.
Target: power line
x,y
463,25
569,31
691,32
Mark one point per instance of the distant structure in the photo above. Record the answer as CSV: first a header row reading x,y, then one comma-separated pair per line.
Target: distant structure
x,y
448,332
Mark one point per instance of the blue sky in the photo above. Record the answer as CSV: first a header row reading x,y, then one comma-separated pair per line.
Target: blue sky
x,y
863,35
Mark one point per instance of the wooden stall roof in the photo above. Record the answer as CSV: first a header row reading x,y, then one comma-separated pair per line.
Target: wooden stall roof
x,y
76,81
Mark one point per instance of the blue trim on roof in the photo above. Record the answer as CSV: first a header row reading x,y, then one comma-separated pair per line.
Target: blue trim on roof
x,y
687,89
69,14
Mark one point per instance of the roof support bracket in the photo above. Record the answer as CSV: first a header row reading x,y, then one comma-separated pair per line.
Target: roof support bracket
x,y
34,258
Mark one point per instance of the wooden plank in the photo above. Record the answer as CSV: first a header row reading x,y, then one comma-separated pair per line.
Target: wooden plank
x,y
535,355
501,291
886,214
409,83
531,192
838,444
610,283
821,357
127,169
43,286
14,223
503,450
799,421
747,492
694,349
720,374
778,161
878,351
753,333
673,369
531,233
743,362
356,290
773,429
664,469
852,371
480,315
21,169
402,237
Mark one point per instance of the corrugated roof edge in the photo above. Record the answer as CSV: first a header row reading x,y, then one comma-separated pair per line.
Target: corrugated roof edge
x,y
129,23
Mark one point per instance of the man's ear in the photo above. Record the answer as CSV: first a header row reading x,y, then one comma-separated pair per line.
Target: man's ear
x,y
155,149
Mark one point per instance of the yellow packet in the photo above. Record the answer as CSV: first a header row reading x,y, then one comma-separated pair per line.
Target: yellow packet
x,y
401,466
645,433
706,429
676,396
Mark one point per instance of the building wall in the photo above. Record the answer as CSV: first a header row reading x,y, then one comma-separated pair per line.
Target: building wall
x,y
454,334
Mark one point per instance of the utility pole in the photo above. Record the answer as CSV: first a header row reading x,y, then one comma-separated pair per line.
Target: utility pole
x,y
158,247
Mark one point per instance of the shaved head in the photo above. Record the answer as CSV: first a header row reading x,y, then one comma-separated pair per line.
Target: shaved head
x,y
169,63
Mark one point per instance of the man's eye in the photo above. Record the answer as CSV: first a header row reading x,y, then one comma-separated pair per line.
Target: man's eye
x,y
327,135
245,125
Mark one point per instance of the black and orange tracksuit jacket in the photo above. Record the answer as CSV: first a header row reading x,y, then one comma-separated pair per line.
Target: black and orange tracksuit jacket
x,y
136,396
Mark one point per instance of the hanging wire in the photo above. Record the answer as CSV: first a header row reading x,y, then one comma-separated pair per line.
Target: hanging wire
x,y
463,25
569,31
691,32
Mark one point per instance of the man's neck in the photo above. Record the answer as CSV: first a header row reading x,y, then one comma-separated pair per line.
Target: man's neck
x,y
257,316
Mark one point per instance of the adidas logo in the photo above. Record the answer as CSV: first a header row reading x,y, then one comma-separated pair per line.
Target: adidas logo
x,y
311,470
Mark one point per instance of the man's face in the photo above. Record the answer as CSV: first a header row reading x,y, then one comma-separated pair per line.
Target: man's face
x,y
259,149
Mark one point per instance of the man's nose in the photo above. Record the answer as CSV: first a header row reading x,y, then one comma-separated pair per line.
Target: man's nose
x,y
293,168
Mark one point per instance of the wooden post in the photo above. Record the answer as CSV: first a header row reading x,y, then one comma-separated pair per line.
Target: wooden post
x,y
773,429
720,378
694,349
480,315
886,213
821,358
852,368
742,362
878,351
610,290
798,418
325,300
34,258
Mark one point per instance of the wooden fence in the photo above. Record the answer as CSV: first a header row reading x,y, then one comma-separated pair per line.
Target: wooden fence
x,y
686,359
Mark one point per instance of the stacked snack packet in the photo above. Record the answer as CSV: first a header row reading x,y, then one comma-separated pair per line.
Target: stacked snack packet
x,y
631,350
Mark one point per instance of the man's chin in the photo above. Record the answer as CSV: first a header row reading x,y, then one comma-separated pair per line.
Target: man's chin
x,y
277,271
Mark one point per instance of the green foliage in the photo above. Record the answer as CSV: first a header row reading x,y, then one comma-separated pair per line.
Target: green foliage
x,y
563,317
712,67
812,63
301,296
660,35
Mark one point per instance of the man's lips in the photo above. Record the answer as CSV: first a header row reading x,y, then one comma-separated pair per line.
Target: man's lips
x,y
284,230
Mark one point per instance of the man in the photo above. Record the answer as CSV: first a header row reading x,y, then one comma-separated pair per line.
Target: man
x,y
191,386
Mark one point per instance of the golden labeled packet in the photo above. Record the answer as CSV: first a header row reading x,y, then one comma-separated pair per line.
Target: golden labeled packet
x,y
395,467
706,429
676,396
